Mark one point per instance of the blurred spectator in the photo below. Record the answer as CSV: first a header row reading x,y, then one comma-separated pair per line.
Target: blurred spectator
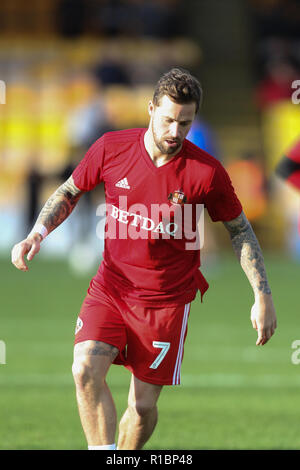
x,y
88,119
115,17
289,166
248,179
147,18
111,71
87,123
34,184
277,84
159,18
202,135
288,169
277,17
278,35
70,17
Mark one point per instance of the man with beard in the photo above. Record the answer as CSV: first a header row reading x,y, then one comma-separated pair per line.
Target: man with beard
x,y
137,306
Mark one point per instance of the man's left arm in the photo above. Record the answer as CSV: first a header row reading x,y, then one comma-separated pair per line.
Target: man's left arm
x,y
248,251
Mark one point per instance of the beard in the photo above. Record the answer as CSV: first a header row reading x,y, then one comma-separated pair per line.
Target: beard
x,y
162,145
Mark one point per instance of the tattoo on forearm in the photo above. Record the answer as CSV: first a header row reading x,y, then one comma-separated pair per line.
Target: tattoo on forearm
x,y
60,205
248,251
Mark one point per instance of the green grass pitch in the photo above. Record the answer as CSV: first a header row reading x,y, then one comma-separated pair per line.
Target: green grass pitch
x,y
234,395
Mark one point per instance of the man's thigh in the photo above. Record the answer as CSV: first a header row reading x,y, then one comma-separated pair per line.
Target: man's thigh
x,y
100,320
93,358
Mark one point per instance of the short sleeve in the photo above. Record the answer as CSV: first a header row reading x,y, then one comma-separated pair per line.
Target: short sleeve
x,y
89,172
221,200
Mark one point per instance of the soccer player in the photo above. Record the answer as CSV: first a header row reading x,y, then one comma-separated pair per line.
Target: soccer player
x,y
289,166
288,169
137,305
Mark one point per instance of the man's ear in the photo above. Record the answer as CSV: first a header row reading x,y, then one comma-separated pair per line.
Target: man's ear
x,y
150,108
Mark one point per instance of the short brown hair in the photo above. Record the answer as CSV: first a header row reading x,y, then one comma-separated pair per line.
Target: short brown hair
x,y
179,85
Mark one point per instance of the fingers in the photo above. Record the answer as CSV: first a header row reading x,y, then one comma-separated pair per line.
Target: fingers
x,y
17,256
20,250
34,250
261,339
264,335
263,319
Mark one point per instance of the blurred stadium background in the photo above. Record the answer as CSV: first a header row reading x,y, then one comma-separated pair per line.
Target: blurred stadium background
x,y
74,69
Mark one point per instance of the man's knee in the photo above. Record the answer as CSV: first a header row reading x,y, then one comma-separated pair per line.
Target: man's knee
x,y
142,398
91,362
141,409
84,372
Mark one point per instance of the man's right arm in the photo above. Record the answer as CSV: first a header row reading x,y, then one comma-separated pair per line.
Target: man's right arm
x,y
57,208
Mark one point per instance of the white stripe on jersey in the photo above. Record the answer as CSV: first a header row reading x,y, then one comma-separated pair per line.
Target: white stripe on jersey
x,y
176,375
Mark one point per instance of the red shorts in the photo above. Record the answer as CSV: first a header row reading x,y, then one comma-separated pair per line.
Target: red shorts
x,y
150,340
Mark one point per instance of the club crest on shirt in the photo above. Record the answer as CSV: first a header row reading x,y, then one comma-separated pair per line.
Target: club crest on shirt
x,y
177,197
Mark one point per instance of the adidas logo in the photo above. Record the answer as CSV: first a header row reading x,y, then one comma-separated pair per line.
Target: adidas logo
x,y
123,184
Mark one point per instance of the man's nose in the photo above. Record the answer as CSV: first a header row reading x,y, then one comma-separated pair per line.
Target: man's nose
x,y
174,130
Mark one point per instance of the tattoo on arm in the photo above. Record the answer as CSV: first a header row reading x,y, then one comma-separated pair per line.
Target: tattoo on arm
x,y
248,251
60,205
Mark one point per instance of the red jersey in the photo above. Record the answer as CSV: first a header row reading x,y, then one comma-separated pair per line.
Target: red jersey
x,y
148,258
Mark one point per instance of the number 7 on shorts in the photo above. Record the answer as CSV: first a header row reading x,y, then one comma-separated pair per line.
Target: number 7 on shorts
x,y
165,348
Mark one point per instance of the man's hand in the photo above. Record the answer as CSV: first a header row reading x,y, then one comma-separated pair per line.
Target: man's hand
x,y
30,245
57,208
263,318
